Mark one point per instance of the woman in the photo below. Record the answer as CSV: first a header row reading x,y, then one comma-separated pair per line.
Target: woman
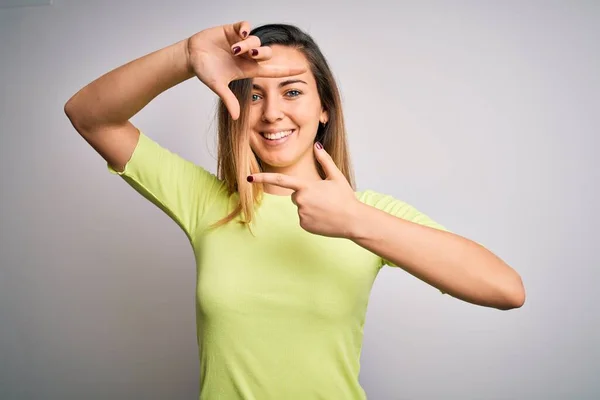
x,y
286,250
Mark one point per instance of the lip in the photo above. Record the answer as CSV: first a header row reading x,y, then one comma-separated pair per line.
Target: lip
x,y
276,130
277,142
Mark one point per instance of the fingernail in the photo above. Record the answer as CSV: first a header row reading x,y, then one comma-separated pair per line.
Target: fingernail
x,y
236,49
319,146
244,34
250,178
254,52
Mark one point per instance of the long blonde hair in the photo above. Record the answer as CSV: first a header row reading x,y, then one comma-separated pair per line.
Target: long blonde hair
x,y
235,158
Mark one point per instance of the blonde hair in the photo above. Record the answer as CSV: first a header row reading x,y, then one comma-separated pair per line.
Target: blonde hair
x,y
235,158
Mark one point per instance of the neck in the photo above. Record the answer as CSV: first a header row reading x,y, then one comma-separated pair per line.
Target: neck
x,y
305,169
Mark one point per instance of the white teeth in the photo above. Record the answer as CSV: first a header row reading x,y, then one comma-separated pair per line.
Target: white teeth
x,y
277,135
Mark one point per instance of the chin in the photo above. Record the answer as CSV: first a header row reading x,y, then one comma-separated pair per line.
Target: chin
x,y
277,162
280,153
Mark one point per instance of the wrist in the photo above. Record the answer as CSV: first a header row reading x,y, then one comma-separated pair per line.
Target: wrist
x,y
182,57
358,221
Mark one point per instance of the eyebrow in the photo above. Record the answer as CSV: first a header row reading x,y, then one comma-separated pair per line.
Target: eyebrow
x,y
281,84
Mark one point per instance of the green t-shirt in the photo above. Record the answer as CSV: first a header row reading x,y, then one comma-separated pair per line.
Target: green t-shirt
x,y
280,314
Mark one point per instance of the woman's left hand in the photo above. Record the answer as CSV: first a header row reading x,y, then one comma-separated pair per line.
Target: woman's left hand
x,y
327,207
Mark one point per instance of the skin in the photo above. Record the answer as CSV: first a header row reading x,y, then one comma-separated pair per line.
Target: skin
x,y
282,104
102,110
455,265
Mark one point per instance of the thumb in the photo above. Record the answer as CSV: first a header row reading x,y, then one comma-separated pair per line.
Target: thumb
x,y
229,99
331,170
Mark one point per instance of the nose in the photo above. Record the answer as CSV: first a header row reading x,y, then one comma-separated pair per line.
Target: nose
x,y
272,110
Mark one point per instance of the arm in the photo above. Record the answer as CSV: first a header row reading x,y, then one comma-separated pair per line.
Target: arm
x,y
449,262
100,112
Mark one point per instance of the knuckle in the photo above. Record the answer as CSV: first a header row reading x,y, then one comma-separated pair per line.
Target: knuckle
x,y
303,223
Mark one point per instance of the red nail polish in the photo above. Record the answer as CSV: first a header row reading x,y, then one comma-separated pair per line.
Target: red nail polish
x,y
254,52
244,34
236,49
250,178
319,146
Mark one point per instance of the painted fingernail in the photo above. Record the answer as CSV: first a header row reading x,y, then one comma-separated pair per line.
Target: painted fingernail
x,y
250,178
254,52
244,34
319,146
236,49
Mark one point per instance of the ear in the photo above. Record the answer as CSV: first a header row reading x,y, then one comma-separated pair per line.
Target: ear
x,y
324,117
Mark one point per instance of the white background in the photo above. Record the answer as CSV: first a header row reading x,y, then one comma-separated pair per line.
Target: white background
x,y
482,114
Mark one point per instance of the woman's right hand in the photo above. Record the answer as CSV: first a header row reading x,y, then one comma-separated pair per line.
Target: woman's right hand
x,y
224,53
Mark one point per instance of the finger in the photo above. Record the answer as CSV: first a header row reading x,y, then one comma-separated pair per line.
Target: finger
x,y
281,180
237,31
261,53
229,99
251,42
242,28
276,71
331,170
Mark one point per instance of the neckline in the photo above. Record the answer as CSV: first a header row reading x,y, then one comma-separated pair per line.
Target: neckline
x,y
281,197
276,197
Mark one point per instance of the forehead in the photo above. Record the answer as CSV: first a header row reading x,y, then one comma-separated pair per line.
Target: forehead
x,y
285,56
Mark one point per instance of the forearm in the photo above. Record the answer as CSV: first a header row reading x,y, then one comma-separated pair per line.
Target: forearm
x,y
115,97
449,262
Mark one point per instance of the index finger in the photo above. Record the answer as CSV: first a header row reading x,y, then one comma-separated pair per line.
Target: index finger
x,y
242,28
281,180
279,71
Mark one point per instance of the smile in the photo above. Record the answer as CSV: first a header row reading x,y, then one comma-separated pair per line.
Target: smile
x,y
277,137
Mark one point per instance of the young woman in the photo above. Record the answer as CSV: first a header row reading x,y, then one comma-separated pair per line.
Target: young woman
x,y
286,249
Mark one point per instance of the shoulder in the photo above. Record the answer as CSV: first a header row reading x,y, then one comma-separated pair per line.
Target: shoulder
x,y
162,173
151,154
377,199
396,207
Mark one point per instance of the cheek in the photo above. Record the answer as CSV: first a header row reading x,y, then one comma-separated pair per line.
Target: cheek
x,y
308,117
253,142
253,117
312,127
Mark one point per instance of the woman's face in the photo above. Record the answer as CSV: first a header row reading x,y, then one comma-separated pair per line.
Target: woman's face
x,y
285,114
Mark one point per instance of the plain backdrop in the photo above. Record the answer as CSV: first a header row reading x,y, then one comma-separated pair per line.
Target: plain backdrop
x,y
482,114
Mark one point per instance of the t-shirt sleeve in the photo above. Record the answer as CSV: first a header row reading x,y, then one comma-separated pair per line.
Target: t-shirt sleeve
x,y
399,209
180,188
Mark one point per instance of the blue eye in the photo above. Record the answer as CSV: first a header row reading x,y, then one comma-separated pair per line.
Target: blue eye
x,y
296,93
255,97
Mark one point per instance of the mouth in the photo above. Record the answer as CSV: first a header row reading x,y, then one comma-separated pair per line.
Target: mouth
x,y
277,137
